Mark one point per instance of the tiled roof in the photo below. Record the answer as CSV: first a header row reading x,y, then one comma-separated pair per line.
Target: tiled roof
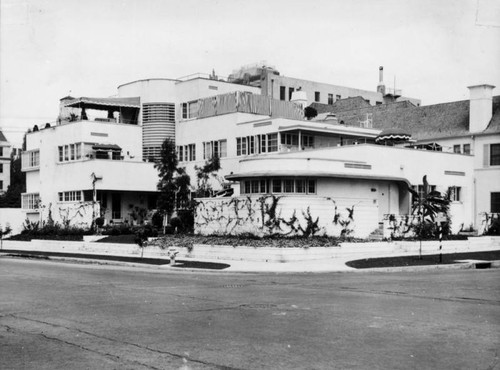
x,y
2,137
425,122
356,102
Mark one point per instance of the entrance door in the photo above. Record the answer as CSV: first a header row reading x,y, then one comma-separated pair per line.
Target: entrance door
x,y
116,206
384,200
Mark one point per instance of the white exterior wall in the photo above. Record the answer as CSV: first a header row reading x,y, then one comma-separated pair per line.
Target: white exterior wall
x,y
487,176
53,176
310,87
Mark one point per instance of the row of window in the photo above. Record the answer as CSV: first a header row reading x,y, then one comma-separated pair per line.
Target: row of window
x,y
289,186
70,196
186,152
461,149
70,152
454,191
265,143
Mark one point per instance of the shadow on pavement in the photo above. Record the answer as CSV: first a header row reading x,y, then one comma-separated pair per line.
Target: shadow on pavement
x,y
146,261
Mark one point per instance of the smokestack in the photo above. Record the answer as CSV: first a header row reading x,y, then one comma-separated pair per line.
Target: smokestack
x,y
381,86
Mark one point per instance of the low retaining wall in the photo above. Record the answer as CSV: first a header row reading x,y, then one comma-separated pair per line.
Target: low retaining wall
x,y
265,254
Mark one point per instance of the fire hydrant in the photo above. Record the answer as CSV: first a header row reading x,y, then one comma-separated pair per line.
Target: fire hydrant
x,y
172,252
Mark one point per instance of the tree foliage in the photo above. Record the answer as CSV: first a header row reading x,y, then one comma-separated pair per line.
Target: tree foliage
x,y
12,197
174,182
203,175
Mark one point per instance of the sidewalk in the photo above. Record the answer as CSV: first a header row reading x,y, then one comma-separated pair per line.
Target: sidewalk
x,y
244,259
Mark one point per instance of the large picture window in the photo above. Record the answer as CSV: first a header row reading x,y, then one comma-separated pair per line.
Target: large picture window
x,y
279,185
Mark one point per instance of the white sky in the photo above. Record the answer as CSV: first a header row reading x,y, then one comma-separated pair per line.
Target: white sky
x,y
435,49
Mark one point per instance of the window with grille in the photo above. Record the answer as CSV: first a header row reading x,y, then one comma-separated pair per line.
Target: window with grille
x,y
158,112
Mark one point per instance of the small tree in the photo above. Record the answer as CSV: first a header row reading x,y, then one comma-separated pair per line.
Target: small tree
x,y
4,232
174,182
427,205
203,174
310,113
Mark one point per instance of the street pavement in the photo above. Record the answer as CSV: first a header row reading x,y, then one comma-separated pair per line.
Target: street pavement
x,y
60,315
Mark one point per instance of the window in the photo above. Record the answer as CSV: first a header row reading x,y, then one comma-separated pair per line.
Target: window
x,y
288,186
300,186
420,190
278,185
190,109
330,99
70,196
70,152
495,203
180,150
311,186
290,92
1,151
456,149
272,142
282,93
213,148
1,167
338,97
455,193
467,149
256,144
316,96
495,155
30,201
31,159
1,185
378,103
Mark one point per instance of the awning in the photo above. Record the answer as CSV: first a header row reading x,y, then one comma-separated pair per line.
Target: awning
x,y
106,147
102,103
393,134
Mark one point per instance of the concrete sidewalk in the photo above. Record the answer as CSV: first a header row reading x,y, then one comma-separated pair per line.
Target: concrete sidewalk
x,y
279,260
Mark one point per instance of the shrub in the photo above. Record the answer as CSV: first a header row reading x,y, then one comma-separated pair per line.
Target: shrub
x,y
176,223
99,221
169,229
157,220
187,219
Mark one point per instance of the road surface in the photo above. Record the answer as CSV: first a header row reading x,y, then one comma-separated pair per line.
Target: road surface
x,y
56,315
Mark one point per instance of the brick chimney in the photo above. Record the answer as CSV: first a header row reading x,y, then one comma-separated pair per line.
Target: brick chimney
x,y
481,107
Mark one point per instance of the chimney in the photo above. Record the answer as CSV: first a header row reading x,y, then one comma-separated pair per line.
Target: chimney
x,y
381,86
481,107
299,97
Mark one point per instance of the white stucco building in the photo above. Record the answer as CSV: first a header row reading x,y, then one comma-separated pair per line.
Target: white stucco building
x,y
5,150
97,159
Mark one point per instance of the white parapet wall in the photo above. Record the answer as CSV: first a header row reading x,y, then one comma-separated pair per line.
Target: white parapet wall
x,y
286,215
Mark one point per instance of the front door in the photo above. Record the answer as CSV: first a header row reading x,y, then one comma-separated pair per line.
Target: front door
x,y
384,200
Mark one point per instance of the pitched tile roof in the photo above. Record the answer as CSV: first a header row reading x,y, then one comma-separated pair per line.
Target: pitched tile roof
x,y
424,122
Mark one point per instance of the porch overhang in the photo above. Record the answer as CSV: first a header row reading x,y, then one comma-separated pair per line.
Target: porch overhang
x,y
314,174
104,103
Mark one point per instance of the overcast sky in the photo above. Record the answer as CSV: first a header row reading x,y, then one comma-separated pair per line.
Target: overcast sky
x,y
434,49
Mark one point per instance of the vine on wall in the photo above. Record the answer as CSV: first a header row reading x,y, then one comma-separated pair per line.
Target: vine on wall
x,y
263,216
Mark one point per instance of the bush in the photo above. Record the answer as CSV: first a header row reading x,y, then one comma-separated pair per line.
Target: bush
x,y
187,219
176,223
143,233
99,221
494,228
169,229
157,220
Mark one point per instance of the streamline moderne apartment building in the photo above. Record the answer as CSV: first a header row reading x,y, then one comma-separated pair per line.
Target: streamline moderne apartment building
x,y
98,157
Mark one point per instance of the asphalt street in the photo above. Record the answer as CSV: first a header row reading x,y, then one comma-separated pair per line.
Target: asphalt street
x,y
59,315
